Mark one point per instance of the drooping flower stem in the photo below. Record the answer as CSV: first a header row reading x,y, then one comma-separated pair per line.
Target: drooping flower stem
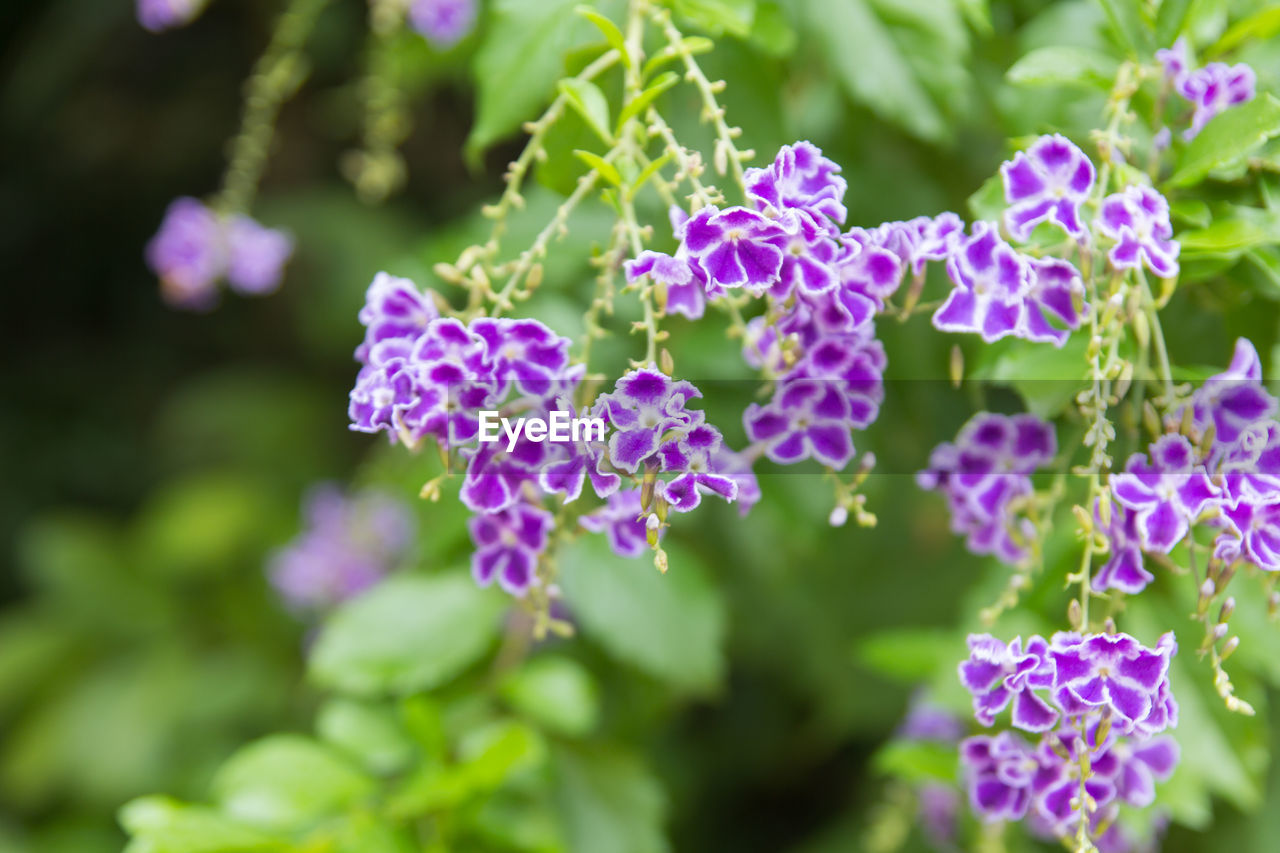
x,y
277,75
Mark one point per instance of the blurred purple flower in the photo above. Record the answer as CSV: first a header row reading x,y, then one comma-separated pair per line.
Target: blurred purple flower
x,y
443,23
622,521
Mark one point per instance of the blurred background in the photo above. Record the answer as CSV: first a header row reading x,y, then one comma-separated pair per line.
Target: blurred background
x,y
151,460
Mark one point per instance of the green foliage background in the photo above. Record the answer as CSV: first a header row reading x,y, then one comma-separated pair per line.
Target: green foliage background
x,y
150,459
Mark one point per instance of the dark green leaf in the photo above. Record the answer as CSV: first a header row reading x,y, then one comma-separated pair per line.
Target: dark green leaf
x,y
407,634
609,803
1226,236
771,31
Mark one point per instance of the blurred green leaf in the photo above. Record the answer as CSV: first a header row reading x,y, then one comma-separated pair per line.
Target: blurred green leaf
x,y
590,103
1061,65
1227,139
368,732
407,634
670,626
609,803
909,655
1224,236
1170,19
1047,377
918,762
641,102
163,825
555,692
609,30
1127,21
287,783
718,16
518,64
1261,25
870,65
771,30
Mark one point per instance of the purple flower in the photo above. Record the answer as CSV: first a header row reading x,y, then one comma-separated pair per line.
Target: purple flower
x,y
983,472
159,15
1166,494
508,545
1138,220
1056,289
800,179
690,454
809,257
868,268
991,284
623,521
1176,61
1140,765
737,467
1215,88
1123,569
685,282
526,353
922,239
1253,534
926,721
444,23
999,771
256,256
188,254
996,674
645,404
349,545
394,308
736,247
805,419
495,476
581,461
1047,183
1112,672
1234,401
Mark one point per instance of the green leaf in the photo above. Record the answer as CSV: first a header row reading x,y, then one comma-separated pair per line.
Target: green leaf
x,y
987,203
693,45
1045,376
718,16
609,29
602,166
494,753
518,64
163,825
908,655
1261,25
870,66
407,634
918,761
772,32
1226,236
1192,211
1126,19
287,782
1170,19
642,101
590,103
1227,139
370,733
1062,65
554,692
609,802
670,626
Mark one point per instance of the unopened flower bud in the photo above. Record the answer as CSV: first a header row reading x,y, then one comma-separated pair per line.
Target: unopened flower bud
x,y
1228,607
1075,616
660,560
1219,631
667,362
839,515
1230,646
1207,589
652,522
957,365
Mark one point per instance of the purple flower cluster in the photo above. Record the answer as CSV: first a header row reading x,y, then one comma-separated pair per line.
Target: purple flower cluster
x,y
1137,219
983,472
822,285
1000,292
1227,470
349,544
160,15
195,248
1210,90
1106,695
443,23
424,376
